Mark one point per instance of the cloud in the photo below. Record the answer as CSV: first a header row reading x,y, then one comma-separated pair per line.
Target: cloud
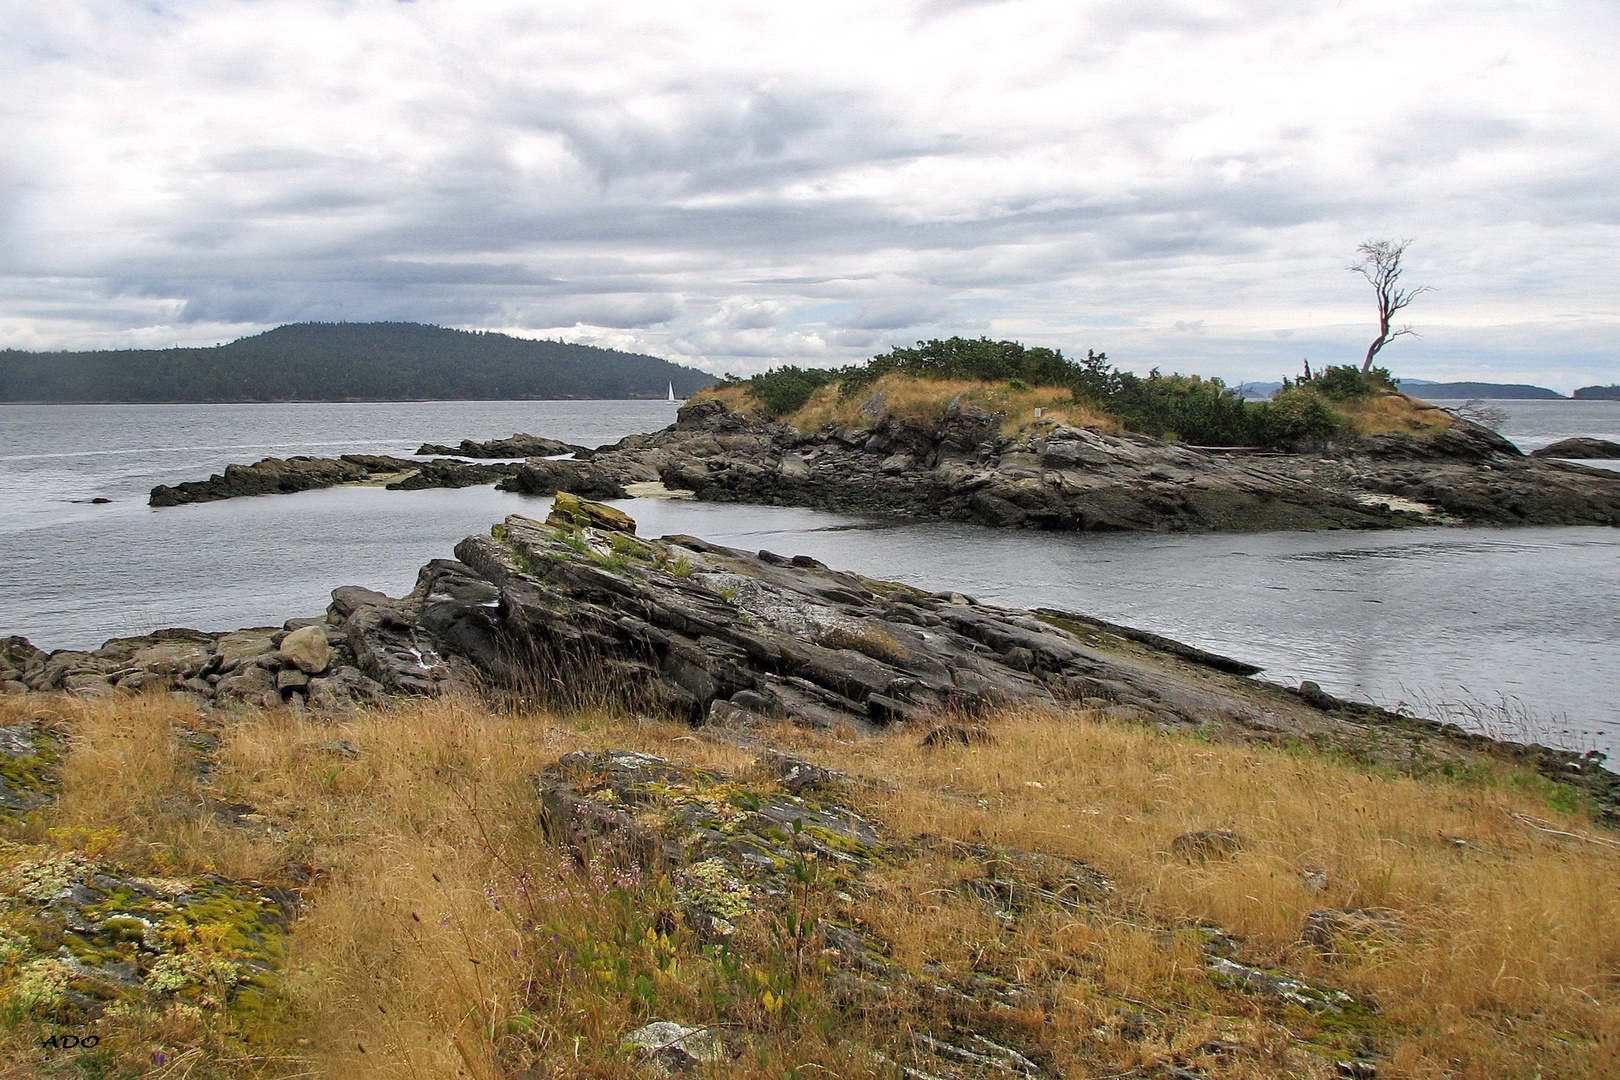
x,y
735,185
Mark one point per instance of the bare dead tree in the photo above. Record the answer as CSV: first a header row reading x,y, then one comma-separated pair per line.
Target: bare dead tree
x,y
1381,266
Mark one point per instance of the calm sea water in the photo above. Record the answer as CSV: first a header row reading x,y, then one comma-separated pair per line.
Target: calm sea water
x,y
1519,629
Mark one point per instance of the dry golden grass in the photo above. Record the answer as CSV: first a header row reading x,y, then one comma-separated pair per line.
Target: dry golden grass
x,y
1391,413
444,936
735,398
923,402
1514,945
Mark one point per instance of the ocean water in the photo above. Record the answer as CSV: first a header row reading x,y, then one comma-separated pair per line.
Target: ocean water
x,y
1513,630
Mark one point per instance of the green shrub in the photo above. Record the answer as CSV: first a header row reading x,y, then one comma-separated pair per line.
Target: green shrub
x,y
1295,417
784,390
1346,382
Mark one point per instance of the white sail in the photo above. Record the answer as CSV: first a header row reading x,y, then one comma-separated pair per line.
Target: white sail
x,y
671,392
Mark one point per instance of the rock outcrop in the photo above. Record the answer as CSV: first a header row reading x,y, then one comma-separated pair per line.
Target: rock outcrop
x,y
1580,449
274,476
582,611
1055,476
518,446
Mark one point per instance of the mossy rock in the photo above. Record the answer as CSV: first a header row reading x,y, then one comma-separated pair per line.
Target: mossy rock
x,y
30,761
572,512
79,937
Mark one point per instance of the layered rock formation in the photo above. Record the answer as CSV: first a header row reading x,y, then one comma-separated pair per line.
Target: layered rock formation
x,y
1054,476
581,611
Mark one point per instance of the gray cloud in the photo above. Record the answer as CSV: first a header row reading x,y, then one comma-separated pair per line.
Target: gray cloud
x,y
737,185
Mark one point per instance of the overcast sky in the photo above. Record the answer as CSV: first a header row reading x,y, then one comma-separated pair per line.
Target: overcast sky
x,y
738,184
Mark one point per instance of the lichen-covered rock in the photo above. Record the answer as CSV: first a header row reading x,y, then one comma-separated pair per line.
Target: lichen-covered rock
x,y
675,1048
730,844
571,511
30,755
95,936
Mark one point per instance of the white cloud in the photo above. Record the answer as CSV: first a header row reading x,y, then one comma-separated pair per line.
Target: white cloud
x,y
735,183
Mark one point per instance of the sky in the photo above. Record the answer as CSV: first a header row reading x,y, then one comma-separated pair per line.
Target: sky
x,y
736,185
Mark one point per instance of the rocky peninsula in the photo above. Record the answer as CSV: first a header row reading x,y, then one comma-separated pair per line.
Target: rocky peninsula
x,y
722,638
1054,475
970,463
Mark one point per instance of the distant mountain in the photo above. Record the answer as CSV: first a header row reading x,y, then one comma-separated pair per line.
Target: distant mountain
x,y
1256,391
1445,391
346,362
1598,393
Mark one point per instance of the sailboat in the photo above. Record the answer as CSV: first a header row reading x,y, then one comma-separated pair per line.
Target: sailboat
x,y
672,397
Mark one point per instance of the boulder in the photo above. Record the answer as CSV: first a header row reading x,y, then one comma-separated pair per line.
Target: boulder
x,y
569,511
543,477
307,649
389,649
244,646
249,684
343,689
20,661
347,599
1580,449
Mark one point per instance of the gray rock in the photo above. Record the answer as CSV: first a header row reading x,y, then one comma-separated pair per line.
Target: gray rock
x,y
243,647
1276,985
307,649
676,1047
542,477
291,679
796,774
518,446
964,468
249,684
1580,449
276,476
343,689
347,599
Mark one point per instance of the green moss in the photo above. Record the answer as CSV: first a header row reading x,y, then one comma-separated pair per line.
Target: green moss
x,y
34,775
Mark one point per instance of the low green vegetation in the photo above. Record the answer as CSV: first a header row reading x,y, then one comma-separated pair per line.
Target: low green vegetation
x,y
1316,407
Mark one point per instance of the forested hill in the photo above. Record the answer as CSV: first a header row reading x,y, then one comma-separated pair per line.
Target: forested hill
x,y
346,362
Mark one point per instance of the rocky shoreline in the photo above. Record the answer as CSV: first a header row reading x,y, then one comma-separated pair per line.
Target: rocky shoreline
x,y
581,610
1054,476
1048,476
